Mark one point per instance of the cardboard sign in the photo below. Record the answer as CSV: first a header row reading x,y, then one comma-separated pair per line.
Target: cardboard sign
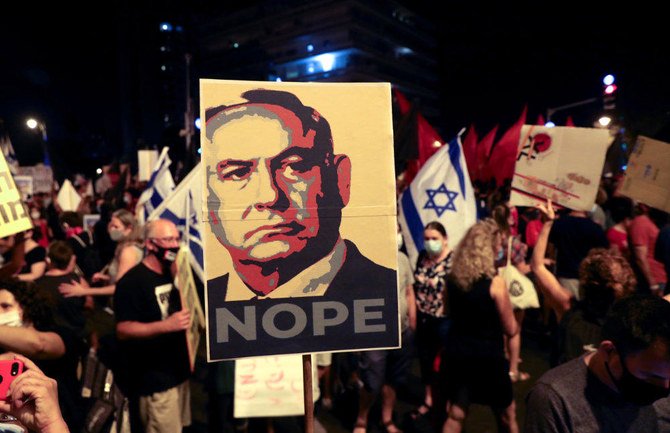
x,y
299,216
146,159
647,178
68,197
563,164
271,386
13,215
190,301
25,185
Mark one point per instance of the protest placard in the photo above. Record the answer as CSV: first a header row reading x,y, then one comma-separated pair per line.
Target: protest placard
x,y
25,186
647,177
563,164
146,159
300,217
13,215
190,301
271,386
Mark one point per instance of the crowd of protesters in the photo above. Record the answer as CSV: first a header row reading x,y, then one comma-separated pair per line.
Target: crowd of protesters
x,y
59,280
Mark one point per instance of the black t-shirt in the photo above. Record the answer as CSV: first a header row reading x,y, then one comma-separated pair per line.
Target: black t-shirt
x,y
69,311
64,370
36,255
152,364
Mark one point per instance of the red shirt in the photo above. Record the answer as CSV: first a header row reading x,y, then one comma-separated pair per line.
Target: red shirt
x,y
643,232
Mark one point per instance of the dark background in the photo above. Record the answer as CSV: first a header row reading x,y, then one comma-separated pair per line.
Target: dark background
x,y
61,62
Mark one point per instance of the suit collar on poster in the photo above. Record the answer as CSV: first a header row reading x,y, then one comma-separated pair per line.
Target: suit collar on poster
x,y
313,281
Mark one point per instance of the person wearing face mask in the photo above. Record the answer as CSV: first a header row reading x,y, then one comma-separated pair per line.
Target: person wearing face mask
x,y
28,328
621,387
123,229
432,323
154,368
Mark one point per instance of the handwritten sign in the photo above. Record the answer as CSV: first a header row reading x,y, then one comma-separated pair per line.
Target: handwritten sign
x,y
271,386
648,173
190,301
13,215
561,163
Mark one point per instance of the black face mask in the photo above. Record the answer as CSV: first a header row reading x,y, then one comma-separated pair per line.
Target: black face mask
x,y
166,255
636,390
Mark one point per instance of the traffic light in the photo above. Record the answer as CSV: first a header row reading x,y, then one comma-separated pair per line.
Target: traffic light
x,y
609,92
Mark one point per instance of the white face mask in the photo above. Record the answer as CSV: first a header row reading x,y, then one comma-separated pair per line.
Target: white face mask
x,y
12,318
35,215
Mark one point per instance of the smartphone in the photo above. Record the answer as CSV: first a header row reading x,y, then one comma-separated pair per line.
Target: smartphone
x,y
9,370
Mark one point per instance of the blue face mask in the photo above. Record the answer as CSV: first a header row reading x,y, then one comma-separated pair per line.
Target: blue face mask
x,y
433,246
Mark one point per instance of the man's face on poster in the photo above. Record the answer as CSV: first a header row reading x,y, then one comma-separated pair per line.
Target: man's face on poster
x,y
268,178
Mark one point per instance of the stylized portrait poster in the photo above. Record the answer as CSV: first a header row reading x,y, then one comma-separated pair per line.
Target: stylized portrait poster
x,y
300,217
563,164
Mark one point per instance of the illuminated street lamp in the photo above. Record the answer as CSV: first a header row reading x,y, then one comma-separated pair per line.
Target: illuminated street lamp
x,y
36,124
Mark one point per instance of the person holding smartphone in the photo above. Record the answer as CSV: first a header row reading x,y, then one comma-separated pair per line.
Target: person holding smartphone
x,y
31,402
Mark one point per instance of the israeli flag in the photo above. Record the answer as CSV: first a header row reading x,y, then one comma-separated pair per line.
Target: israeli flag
x,y
159,187
182,207
441,191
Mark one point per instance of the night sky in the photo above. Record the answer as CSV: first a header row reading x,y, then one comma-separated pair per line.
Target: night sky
x,y
493,60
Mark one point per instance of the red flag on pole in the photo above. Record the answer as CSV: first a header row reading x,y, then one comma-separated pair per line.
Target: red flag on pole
x,y
470,152
428,140
569,122
483,153
540,120
503,155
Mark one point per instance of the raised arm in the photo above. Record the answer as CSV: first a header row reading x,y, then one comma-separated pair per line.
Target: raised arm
x,y
560,297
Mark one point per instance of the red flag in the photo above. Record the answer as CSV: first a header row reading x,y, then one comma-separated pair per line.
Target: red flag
x,y
569,122
503,156
470,152
540,120
429,141
483,153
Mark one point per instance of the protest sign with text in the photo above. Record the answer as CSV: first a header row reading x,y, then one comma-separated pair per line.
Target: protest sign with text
x,y
563,164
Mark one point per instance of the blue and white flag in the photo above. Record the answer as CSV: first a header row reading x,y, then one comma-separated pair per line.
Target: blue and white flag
x,y
159,187
441,191
10,156
183,208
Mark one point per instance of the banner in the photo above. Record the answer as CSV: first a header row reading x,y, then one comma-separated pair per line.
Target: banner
x,y
563,164
442,192
42,177
647,178
299,218
190,301
13,215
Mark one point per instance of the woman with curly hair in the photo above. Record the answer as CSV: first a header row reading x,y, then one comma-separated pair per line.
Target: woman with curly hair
x,y
27,327
475,369
604,276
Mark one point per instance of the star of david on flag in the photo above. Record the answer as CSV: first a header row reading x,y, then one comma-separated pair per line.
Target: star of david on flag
x,y
434,198
441,191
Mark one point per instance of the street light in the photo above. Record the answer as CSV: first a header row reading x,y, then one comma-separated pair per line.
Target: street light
x,y
33,123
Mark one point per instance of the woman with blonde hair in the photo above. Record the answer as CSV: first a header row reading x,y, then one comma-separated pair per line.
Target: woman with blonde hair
x,y
475,369
126,232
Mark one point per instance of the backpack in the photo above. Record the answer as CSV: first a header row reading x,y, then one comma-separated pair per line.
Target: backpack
x,y
88,260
